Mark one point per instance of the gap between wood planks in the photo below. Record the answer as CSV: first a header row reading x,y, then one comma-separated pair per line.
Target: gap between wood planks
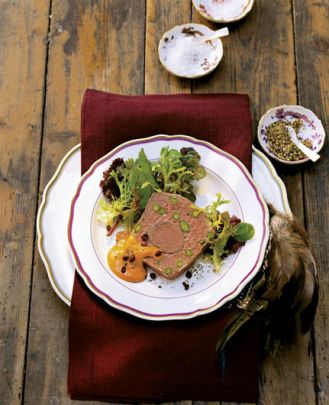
x,y
37,200
312,331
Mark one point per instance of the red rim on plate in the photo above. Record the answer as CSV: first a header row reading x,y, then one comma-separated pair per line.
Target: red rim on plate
x,y
203,306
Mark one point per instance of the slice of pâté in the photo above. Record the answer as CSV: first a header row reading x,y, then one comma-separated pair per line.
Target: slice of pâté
x,y
177,227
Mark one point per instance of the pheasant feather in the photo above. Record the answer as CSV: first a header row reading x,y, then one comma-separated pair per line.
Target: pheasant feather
x,y
286,288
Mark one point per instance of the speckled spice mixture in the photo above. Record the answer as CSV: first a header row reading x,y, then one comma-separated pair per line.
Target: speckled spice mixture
x,y
177,227
279,142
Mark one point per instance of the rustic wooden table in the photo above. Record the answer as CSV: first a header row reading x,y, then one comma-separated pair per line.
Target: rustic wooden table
x,y
50,52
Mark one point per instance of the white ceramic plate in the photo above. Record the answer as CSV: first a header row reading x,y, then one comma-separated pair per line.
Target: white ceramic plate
x,y
90,246
223,11
52,220
312,128
56,202
183,55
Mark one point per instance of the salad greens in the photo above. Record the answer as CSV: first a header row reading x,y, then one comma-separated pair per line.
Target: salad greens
x,y
228,233
129,184
176,169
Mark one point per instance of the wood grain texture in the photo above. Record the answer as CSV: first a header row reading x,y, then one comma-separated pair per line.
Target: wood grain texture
x,y
162,15
97,44
312,57
259,60
100,44
23,30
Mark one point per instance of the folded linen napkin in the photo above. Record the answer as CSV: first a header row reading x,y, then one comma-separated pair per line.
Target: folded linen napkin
x,y
116,357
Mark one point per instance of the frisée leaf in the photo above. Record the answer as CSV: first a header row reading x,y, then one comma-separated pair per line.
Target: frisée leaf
x,y
226,233
128,184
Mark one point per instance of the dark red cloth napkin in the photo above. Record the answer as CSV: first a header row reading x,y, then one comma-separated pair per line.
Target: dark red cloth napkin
x,y
116,357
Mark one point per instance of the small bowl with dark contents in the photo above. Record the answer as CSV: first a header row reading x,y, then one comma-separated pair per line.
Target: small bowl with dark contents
x,y
274,138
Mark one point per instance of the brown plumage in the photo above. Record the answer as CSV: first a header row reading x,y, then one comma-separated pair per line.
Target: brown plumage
x,y
286,290
292,284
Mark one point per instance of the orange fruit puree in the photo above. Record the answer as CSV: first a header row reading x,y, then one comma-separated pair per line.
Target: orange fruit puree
x,y
126,257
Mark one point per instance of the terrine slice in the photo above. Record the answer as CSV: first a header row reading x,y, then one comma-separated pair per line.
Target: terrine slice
x,y
177,227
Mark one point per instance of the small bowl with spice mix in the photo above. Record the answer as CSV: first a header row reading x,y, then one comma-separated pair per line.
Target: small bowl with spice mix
x,y
274,137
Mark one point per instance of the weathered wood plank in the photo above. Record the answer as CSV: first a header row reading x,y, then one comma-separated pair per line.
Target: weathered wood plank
x,y
92,44
23,30
162,15
63,102
259,60
312,59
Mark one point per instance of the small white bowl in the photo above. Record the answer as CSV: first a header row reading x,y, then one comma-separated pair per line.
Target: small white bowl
x,y
182,55
312,129
223,11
